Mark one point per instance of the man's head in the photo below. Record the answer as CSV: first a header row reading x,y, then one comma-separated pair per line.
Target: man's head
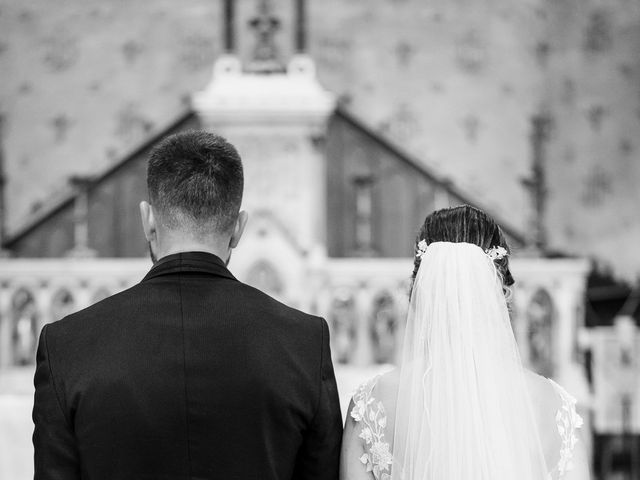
x,y
195,184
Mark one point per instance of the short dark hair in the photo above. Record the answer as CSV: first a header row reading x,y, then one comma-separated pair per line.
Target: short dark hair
x,y
195,181
465,224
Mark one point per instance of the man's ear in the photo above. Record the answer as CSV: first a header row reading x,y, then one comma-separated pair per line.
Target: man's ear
x,y
148,221
238,229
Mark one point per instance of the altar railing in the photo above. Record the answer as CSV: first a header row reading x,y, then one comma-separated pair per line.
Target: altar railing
x,y
34,292
364,300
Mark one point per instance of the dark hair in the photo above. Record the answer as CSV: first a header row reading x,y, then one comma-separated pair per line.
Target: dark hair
x,y
195,181
465,224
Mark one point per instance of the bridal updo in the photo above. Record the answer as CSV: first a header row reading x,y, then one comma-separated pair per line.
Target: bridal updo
x,y
470,225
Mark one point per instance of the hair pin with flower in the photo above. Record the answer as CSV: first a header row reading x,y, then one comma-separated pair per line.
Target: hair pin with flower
x,y
496,252
421,248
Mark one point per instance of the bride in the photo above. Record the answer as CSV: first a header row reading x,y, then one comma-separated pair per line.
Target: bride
x,y
461,406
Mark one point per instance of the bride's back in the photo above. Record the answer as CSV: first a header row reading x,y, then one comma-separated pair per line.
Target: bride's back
x,y
545,399
376,399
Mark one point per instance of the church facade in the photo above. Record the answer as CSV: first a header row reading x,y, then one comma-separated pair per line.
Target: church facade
x,y
334,209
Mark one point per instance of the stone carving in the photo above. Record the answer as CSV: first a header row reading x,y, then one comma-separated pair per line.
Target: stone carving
x,y
471,52
598,33
404,53
60,125
568,94
61,53
131,50
543,51
471,125
596,115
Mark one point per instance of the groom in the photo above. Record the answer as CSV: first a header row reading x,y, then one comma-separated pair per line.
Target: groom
x,y
190,374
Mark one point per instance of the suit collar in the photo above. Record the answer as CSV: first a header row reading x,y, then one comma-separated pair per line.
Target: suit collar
x,y
201,262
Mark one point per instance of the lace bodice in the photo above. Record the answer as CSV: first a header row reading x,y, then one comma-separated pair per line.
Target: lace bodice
x,y
371,417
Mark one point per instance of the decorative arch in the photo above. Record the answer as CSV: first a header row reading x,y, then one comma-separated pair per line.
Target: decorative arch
x,y
540,317
62,303
342,322
383,327
24,327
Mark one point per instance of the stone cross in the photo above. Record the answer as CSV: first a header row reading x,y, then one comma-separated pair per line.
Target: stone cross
x,y
265,25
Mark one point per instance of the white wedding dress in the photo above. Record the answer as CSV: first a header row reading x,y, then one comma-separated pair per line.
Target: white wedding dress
x,y
460,406
369,430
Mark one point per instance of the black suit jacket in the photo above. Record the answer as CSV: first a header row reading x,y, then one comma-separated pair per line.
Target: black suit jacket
x,y
190,374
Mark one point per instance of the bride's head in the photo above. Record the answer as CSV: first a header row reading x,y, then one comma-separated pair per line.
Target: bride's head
x,y
469,225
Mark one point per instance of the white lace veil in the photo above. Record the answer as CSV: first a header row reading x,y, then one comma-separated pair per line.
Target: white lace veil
x,y
463,410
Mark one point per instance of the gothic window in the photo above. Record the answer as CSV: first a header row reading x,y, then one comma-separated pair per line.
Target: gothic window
x,y
24,328
342,322
363,187
383,328
540,315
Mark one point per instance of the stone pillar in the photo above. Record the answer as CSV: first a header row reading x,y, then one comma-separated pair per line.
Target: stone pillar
x,y
277,121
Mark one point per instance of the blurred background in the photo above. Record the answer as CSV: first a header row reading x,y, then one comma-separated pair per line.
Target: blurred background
x,y
355,119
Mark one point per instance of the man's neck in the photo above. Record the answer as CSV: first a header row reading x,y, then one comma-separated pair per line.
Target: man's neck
x,y
216,248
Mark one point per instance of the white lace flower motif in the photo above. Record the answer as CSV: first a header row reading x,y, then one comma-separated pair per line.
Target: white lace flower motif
x,y
371,414
496,253
359,410
568,421
421,248
366,435
381,457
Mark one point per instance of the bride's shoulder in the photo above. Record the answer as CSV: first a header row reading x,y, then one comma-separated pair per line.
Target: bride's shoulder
x,y
547,394
383,387
379,391
541,389
557,418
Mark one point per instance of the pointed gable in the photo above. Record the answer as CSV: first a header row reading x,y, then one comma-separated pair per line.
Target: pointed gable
x,y
377,190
